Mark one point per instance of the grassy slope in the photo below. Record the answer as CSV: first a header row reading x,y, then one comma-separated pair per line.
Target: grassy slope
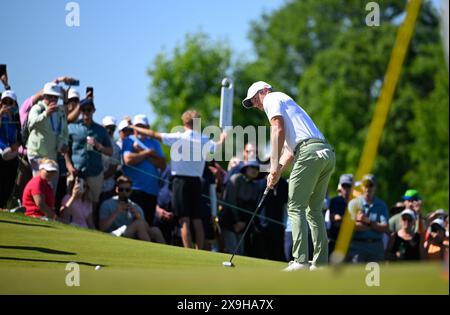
x,y
34,254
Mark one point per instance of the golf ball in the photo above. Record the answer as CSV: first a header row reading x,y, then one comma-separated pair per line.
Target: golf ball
x,y
98,268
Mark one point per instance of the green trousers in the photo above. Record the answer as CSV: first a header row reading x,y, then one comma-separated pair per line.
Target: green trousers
x,y
313,165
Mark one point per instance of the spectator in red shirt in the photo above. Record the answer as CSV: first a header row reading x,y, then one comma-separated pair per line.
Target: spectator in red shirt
x,y
38,197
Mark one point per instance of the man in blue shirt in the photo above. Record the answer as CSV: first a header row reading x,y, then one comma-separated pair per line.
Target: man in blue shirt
x,y
371,216
143,158
88,141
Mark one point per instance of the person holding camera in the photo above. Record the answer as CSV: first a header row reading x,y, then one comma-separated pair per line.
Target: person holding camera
x,y
88,142
47,125
76,208
9,144
122,217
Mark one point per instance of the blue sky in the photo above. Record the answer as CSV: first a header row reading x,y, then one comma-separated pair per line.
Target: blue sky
x,y
115,43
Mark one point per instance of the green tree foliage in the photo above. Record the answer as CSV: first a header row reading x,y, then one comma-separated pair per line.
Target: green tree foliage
x,y
189,78
333,64
324,55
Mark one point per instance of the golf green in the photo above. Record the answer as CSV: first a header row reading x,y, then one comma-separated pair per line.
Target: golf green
x,y
34,255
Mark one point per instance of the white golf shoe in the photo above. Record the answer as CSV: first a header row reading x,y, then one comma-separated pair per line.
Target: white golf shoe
x,y
294,266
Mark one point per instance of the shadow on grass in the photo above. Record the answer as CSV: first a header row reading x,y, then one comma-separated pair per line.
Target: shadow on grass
x,y
26,223
39,249
52,261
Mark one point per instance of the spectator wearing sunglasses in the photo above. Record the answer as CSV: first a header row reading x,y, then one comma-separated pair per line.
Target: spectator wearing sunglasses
x,y
436,244
338,205
122,217
124,132
88,142
406,244
9,144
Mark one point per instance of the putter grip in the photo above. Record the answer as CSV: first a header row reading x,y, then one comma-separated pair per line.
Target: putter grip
x,y
267,190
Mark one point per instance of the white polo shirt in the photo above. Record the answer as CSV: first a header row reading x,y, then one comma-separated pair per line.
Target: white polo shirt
x,y
188,151
297,124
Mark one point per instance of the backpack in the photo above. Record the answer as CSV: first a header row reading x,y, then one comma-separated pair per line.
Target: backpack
x,y
25,131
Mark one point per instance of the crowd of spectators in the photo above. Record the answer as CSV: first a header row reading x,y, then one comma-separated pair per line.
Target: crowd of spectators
x,y
58,163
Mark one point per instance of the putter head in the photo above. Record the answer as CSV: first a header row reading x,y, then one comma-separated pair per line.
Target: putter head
x,y
228,264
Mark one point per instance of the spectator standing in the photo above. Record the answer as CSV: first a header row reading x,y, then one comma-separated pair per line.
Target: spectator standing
x,y
47,125
9,144
406,244
143,159
88,141
164,217
371,223
187,164
436,244
337,208
110,164
242,191
124,132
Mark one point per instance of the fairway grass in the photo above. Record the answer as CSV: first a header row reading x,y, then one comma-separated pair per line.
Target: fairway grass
x,y
34,254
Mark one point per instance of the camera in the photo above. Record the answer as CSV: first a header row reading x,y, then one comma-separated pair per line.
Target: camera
x,y
73,82
2,70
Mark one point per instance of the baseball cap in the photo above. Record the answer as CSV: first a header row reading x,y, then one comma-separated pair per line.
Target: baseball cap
x,y
48,167
140,119
51,88
409,212
73,94
10,94
346,179
368,178
411,194
108,121
440,212
252,90
439,222
123,124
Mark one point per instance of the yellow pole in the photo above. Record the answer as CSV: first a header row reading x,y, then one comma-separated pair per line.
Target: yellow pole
x,y
376,127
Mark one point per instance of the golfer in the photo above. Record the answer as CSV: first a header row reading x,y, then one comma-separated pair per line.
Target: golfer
x,y
314,162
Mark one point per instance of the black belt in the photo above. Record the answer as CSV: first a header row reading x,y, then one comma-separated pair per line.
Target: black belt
x,y
308,141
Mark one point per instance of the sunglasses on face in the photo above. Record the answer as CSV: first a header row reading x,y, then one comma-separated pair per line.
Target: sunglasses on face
x,y
121,189
87,110
52,98
8,102
407,218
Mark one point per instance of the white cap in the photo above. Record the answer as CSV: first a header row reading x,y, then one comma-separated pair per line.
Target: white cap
x,y
140,119
10,94
252,90
73,94
52,88
48,167
439,222
409,212
108,121
122,125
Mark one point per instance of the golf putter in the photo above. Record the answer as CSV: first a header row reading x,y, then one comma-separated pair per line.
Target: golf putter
x,y
261,201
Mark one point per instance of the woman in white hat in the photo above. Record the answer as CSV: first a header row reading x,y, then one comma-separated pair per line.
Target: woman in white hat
x,y
38,196
406,244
